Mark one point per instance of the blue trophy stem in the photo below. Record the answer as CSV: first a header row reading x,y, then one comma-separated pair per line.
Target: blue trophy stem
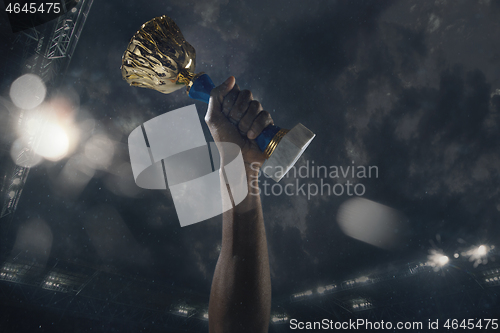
x,y
200,90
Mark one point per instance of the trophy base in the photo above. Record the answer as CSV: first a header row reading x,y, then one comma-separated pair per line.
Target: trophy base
x,y
287,152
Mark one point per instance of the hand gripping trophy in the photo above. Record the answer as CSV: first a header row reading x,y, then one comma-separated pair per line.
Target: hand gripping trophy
x,y
158,57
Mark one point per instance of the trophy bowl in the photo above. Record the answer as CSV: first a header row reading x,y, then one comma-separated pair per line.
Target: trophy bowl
x,y
158,57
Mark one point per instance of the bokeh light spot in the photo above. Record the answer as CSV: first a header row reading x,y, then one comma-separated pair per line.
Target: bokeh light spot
x,y
28,91
372,223
99,151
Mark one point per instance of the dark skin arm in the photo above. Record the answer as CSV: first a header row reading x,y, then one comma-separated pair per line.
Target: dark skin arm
x,y
240,298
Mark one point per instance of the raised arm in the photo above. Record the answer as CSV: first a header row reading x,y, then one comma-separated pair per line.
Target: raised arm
x,y
240,298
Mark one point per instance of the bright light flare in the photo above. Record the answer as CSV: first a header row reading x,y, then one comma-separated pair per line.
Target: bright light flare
x,y
47,131
443,260
437,259
478,255
54,143
481,250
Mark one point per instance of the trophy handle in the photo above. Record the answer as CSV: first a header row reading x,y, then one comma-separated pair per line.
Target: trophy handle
x,y
200,90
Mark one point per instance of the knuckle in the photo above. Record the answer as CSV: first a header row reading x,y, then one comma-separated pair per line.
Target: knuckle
x,y
231,97
265,118
269,118
255,105
243,125
245,97
265,115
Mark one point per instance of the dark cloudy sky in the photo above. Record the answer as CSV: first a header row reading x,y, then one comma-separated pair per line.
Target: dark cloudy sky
x,y
412,87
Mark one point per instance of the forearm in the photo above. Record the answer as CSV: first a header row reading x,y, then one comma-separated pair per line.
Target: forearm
x,y
240,297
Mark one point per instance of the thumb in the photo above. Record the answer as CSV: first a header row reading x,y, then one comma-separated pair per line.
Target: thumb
x,y
214,112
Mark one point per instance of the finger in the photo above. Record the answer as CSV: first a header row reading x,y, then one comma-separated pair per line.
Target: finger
x,y
230,99
262,121
246,121
214,111
241,105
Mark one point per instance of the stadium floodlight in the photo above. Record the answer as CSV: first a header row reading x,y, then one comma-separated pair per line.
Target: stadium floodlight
x,y
491,272
348,284
280,318
493,280
11,268
415,268
360,304
302,295
362,279
492,276
57,282
8,276
331,287
326,289
13,272
184,310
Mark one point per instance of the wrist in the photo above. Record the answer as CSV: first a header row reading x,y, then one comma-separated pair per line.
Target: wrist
x,y
252,169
